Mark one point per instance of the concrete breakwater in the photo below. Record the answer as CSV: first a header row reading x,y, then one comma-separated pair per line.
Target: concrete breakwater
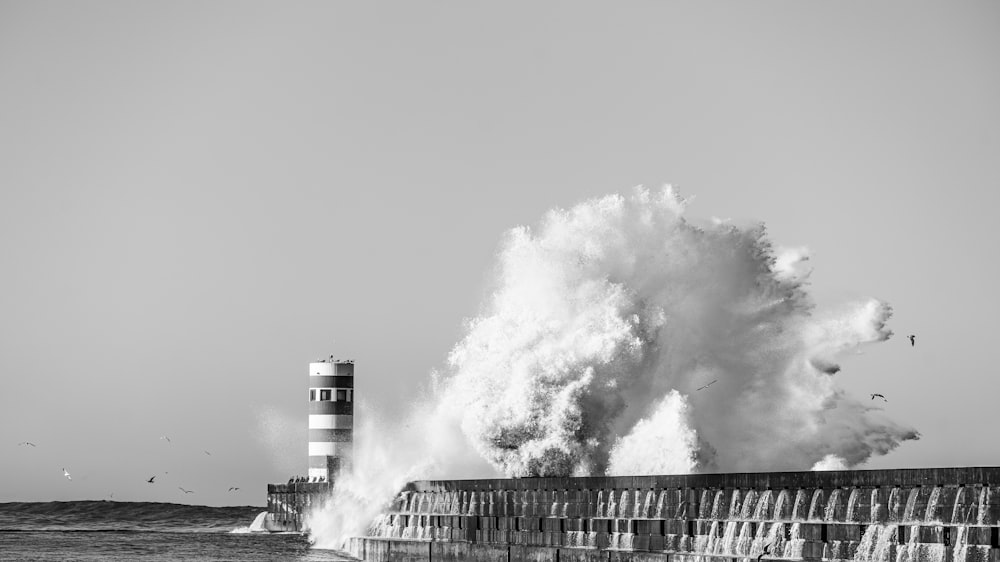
x,y
907,515
288,504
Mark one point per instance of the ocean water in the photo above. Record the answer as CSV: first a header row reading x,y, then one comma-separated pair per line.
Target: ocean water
x,y
140,531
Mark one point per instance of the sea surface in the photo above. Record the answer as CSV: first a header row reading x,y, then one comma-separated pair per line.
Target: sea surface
x,y
146,532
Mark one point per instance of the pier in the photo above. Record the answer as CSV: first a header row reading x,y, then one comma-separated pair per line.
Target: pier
x,y
906,515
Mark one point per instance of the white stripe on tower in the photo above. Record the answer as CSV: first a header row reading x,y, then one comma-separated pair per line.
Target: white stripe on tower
x,y
331,421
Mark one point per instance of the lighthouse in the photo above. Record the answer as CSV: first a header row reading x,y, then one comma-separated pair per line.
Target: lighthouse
x,y
331,418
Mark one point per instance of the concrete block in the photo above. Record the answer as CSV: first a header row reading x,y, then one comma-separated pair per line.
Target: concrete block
x,y
649,527
582,555
974,553
992,515
930,534
376,550
840,550
977,535
536,554
625,556
844,532
694,558
600,525
407,551
811,531
488,553
657,542
675,527
602,540
813,550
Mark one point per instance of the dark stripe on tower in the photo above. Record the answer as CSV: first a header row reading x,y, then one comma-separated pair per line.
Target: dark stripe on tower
x,y
330,435
338,408
323,461
331,382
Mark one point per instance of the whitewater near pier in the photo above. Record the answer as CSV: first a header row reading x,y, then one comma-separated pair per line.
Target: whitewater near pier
x,y
911,515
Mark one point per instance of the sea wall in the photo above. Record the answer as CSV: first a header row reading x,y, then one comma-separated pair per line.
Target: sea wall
x,y
907,515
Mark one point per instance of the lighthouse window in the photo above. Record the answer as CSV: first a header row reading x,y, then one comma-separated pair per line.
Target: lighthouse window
x,y
341,395
312,394
324,395
350,396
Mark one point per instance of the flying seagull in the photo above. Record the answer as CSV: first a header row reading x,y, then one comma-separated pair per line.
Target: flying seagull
x,y
165,437
185,491
150,481
26,443
708,385
874,396
207,453
913,339
66,474
233,489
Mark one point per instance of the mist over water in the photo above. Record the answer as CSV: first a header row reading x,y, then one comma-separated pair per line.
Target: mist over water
x,y
603,324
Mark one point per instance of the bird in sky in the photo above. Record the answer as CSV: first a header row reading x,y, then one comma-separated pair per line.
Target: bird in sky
x,y
165,437
185,491
151,478
874,396
66,474
26,443
913,339
708,385
207,453
233,488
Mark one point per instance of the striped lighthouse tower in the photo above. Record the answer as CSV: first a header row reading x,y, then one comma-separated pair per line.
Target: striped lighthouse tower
x,y
331,418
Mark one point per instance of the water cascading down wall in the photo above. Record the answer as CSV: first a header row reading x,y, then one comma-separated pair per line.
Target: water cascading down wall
x,y
911,515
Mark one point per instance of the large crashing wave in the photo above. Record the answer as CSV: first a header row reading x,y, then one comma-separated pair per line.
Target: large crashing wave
x,y
608,318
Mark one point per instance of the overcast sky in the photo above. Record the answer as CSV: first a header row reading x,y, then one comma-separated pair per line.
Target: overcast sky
x,y
197,199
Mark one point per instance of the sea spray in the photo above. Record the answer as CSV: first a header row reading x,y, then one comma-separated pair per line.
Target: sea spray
x,y
612,314
669,427
594,353
385,459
